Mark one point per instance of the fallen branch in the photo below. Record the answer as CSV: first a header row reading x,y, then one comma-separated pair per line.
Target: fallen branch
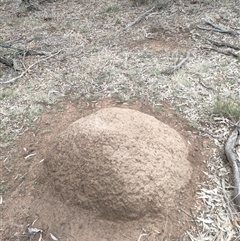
x,y
30,52
26,52
222,44
72,236
219,29
7,62
171,69
32,65
207,87
145,14
141,235
228,52
231,150
10,43
142,16
12,63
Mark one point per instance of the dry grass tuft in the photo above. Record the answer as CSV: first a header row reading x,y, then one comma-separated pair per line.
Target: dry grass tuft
x,y
228,107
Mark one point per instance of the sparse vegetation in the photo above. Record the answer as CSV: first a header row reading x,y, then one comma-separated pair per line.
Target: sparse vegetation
x,y
227,106
112,9
5,93
157,108
139,2
4,186
193,124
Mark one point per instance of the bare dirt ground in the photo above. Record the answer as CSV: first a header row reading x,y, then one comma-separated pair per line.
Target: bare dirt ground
x,y
40,201
168,65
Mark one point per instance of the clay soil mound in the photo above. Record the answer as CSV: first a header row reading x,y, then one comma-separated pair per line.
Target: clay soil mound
x,y
120,163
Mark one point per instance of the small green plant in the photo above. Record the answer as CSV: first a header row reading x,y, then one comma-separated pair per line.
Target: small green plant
x,y
141,2
84,29
157,108
92,97
5,93
118,21
35,22
178,109
23,176
4,186
33,111
228,107
111,9
236,10
193,124
207,2
46,130
119,97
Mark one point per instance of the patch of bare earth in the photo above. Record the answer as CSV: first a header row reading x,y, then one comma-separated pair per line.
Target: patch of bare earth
x,y
34,202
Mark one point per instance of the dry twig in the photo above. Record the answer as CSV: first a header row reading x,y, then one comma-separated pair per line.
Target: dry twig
x,y
145,14
138,19
10,43
171,69
222,44
232,155
228,52
7,62
31,52
141,235
72,236
11,81
216,28
207,87
12,62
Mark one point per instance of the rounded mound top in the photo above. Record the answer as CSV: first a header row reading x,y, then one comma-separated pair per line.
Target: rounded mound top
x,y
122,163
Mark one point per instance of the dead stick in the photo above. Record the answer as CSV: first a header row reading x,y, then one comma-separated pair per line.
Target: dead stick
x,y
10,43
205,86
234,159
216,30
171,69
223,44
72,236
224,52
137,20
7,62
220,30
32,65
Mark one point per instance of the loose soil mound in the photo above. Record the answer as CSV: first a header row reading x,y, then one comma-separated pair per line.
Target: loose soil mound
x,y
121,163
32,201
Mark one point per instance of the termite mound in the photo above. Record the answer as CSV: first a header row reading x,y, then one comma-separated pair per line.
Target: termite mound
x,y
121,163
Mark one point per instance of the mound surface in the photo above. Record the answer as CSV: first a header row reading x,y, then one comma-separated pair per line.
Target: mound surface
x,y
119,162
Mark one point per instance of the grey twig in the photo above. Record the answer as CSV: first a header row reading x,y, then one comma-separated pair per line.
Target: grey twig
x,y
6,61
219,29
10,43
228,52
231,147
171,69
223,44
11,81
158,6
138,19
